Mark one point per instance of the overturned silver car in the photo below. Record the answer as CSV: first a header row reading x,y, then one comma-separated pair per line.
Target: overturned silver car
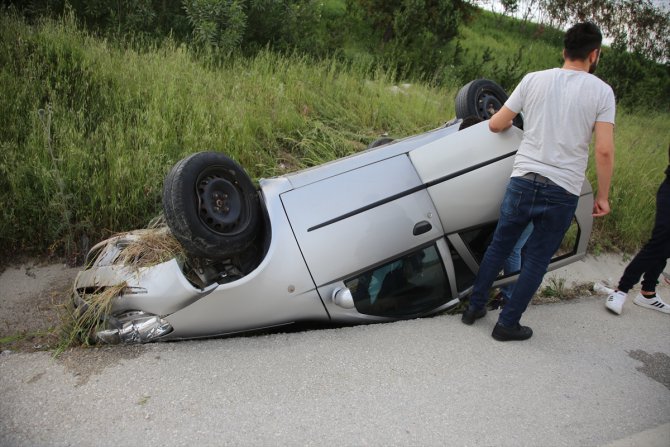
x,y
394,232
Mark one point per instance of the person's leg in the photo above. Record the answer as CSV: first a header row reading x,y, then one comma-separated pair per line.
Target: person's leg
x,y
552,214
649,261
513,262
650,277
514,217
660,241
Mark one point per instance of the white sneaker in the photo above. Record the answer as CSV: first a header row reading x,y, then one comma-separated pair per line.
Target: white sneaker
x,y
602,288
615,301
655,303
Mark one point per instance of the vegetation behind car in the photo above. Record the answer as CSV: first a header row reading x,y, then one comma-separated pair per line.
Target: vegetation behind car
x,y
91,129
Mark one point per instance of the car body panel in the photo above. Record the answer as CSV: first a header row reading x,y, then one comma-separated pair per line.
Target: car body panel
x,y
161,289
357,221
358,218
279,291
467,172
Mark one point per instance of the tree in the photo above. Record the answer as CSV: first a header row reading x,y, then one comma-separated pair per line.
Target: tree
x,y
510,7
638,24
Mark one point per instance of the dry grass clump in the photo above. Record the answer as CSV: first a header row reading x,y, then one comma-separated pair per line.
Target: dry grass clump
x,y
80,324
153,246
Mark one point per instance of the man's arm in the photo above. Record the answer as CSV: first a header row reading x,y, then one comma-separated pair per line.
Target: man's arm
x,y
604,154
501,120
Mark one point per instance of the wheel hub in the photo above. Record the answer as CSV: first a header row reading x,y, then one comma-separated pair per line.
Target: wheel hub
x,y
488,104
220,204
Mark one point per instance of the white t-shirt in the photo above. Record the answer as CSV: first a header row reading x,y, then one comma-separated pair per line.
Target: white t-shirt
x,y
560,108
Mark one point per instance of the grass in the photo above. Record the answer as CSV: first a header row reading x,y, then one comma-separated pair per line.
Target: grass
x,y
143,400
92,163
640,161
504,36
153,247
556,290
113,134
80,324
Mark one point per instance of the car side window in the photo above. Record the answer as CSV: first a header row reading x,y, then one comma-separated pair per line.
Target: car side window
x,y
409,285
478,239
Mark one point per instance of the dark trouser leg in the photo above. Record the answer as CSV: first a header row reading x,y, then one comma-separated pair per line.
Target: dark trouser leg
x,y
652,258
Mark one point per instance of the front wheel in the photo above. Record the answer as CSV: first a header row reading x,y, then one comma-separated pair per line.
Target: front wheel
x,y
211,205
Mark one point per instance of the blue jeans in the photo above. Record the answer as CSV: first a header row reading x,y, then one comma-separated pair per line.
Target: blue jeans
x,y
550,208
513,262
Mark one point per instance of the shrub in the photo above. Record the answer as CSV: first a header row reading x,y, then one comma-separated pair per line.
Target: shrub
x,y
413,34
220,26
638,82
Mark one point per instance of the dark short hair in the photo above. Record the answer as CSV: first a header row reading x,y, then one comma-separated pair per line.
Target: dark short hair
x,y
581,39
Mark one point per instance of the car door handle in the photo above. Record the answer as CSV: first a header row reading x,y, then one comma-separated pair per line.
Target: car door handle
x,y
422,227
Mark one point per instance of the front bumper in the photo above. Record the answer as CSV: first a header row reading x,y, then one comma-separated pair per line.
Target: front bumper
x,y
147,294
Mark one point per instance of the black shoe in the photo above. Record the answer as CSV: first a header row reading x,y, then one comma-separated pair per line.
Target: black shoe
x,y
469,316
502,333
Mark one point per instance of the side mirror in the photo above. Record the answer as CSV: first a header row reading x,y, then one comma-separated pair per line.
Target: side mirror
x,y
342,297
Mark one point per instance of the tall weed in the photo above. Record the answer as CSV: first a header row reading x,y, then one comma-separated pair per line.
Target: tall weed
x,y
120,118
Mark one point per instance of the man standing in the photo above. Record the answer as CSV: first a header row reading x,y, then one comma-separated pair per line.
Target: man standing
x,y
563,108
650,261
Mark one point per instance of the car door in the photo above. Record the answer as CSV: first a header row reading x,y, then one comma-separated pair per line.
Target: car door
x,y
466,174
377,221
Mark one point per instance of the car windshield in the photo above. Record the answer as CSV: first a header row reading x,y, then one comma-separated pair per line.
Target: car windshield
x,y
407,286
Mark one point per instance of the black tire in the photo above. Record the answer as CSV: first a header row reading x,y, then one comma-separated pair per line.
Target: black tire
x,y
380,142
482,98
211,205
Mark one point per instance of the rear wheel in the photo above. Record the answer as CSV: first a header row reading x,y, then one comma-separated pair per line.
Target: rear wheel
x,y
482,98
211,205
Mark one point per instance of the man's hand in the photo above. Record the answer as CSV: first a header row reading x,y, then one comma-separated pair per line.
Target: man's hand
x,y
601,207
501,120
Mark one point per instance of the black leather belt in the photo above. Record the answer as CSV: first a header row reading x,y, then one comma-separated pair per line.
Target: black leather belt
x,y
537,178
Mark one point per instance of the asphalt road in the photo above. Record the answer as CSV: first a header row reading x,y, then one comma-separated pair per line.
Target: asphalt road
x,y
586,378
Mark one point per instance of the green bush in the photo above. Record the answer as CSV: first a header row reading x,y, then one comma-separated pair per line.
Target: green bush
x,y
412,34
220,26
217,25
638,83
154,19
466,67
